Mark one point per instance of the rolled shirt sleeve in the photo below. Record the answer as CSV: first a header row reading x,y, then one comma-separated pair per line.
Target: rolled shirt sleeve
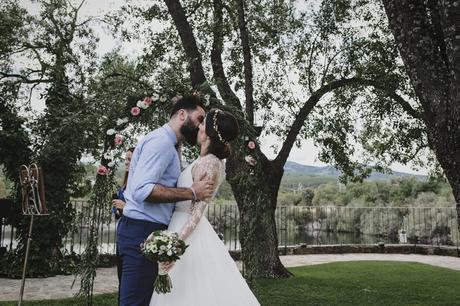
x,y
152,164
155,161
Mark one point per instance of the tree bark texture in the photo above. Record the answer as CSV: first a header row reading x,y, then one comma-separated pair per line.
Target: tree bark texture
x,y
256,196
428,38
256,190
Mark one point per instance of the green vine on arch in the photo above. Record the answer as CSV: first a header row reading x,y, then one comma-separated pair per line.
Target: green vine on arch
x,y
152,110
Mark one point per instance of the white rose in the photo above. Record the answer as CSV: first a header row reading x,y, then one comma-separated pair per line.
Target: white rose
x,y
250,160
108,155
111,132
121,121
142,104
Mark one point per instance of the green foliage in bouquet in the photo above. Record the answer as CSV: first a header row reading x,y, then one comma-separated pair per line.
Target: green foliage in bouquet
x,y
163,246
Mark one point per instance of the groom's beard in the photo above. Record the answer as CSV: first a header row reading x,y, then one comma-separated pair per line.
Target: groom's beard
x,y
189,131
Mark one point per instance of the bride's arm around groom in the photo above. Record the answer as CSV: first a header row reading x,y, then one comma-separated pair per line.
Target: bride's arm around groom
x,y
209,168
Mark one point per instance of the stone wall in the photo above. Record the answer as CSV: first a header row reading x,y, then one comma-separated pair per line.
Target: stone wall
x,y
365,248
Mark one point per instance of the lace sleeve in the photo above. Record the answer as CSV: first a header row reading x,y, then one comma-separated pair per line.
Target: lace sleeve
x,y
212,166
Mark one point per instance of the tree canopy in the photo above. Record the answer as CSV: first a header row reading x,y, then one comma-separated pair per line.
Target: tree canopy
x,y
370,82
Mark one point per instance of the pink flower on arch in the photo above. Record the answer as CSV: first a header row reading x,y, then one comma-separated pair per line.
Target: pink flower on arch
x,y
135,111
102,170
251,145
148,100
118,139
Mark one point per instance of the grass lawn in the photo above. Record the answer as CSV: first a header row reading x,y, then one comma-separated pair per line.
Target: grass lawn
x,y
347,283
363,283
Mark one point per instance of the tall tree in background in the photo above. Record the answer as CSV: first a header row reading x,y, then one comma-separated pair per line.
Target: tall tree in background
x,y
427,34
15,141
47,55
414,118
328,71
276,64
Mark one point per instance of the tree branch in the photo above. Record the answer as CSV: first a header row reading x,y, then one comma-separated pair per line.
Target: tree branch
x,y
329,62
87,21
55,23
195,8
216,59
392,94
188,42
303,114
306,109
23,78
310,62
248,83
126,76
411,157
74,24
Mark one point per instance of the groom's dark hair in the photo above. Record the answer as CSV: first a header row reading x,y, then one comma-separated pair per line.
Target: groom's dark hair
x,y
189,103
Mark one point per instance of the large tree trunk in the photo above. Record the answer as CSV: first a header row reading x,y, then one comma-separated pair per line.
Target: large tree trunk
x,y
427,36
445,141
256,189
256,194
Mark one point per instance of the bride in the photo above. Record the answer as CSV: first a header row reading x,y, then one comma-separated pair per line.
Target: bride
x,y
205,275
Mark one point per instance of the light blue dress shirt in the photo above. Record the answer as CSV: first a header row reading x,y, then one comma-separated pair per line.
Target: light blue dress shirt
x,y
155,161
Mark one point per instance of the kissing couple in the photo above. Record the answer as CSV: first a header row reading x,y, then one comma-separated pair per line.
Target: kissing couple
x,y
159,196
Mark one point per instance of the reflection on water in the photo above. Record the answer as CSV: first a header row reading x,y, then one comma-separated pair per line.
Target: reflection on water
x,y
303,225
324,237
77,242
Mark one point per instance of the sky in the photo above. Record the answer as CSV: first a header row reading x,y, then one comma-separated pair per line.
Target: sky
x,y
306,154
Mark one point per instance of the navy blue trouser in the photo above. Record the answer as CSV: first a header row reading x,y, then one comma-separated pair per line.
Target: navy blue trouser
x,y
138,273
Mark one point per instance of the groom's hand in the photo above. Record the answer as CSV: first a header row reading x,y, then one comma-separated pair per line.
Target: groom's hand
x,y
203,188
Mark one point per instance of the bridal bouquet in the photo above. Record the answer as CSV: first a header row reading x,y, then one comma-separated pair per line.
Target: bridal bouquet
x,y
163,246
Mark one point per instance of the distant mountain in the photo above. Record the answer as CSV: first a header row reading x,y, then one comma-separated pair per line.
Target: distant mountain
x,y
293,167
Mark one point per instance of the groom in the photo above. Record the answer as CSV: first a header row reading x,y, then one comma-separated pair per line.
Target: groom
x,y
151,193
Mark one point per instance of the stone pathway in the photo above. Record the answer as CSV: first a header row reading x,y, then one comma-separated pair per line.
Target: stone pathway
x,y
106,281
315,259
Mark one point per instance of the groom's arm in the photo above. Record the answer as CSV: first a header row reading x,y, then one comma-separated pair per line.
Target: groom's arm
x,y
202,189
162,194
154,158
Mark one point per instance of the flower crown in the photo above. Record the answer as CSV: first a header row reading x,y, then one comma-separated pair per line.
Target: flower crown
x,y
214,119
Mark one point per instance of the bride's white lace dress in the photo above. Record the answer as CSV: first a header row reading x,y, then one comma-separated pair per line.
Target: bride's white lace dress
x,y
205,275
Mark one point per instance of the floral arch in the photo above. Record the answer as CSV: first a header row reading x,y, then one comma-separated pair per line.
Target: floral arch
x,y
143,110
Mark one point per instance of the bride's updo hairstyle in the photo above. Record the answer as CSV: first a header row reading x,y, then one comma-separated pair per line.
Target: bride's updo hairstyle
x,y
221,127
